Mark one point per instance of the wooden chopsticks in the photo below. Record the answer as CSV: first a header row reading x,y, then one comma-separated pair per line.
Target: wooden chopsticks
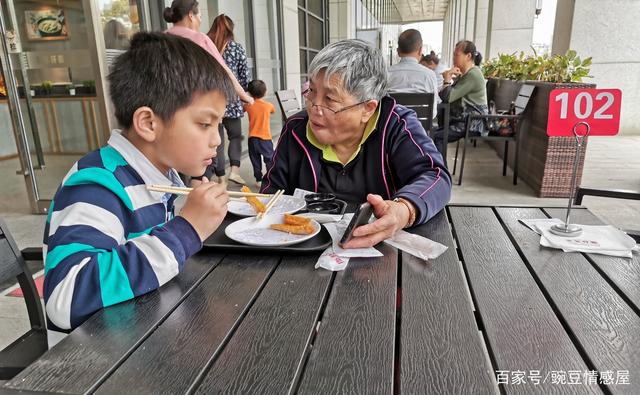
x,y
270,204
186,190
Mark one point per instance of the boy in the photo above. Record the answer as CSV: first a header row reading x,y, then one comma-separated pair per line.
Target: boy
x,y
107,238
260,144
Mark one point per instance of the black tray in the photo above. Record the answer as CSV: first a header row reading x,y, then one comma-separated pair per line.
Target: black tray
x,y
220,241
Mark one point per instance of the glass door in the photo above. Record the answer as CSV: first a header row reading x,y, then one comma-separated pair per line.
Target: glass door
x,y
55,58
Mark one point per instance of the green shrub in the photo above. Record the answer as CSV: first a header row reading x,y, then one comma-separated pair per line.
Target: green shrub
x,y
557,68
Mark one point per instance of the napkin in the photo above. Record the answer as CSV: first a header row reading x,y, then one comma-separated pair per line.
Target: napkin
x,y
331,261
594,239
321,217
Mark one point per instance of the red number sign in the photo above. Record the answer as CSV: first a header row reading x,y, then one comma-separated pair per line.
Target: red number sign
x,y
600,108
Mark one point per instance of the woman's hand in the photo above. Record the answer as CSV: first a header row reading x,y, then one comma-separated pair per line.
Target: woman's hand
x,y
392,216
245,97
453,72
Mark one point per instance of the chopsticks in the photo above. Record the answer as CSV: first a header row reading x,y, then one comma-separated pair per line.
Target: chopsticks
x,y
186,190
270,204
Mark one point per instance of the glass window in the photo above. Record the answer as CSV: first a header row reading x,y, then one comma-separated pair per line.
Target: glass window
x,y
316,6
312,54
119,21
313,26
302,28
316,33
303,61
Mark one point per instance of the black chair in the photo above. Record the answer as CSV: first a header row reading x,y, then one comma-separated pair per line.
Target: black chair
x,y
288,103
521,103
421,103
581,192
30,346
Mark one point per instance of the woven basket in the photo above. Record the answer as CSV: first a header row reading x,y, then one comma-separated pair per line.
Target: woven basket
x,y
546,163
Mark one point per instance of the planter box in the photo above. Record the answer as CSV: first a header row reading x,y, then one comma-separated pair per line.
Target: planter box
x,y
546,163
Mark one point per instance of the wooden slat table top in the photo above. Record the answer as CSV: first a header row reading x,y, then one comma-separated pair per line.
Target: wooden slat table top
x,y
169,359
266,354
494,302
100,345
438,325
624,273
601,323
354,351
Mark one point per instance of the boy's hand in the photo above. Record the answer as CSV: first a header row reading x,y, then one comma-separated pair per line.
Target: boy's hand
x,y
206,207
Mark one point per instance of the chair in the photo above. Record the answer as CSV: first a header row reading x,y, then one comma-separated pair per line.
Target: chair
x,y
421,103
521,103
581,192
30,346
288,103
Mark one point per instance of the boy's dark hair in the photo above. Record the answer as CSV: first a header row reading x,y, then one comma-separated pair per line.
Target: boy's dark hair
x,y
409,41
163,72
257,89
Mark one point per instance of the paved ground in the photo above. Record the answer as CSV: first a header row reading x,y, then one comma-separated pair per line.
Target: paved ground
x,y
610,163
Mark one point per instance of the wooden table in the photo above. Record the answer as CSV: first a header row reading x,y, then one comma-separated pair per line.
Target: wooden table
x,y
496,308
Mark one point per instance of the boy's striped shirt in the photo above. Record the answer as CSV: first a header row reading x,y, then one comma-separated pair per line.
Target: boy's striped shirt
x,y
107,238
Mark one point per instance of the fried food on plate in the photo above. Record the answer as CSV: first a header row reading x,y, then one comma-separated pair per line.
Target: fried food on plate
x,y
306,229
253,201
290,219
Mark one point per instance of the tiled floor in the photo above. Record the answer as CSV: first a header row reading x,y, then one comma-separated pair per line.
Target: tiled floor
x,y
610,163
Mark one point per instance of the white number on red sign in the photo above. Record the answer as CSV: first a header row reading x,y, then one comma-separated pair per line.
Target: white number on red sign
x,y
585,97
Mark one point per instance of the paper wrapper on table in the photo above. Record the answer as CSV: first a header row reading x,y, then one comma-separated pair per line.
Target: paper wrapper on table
x,y
416,245
336,230
336,258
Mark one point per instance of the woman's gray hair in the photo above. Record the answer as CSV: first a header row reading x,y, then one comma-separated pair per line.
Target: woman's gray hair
x,y
360,66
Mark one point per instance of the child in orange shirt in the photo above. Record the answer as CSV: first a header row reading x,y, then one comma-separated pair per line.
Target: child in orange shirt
x,y
260,145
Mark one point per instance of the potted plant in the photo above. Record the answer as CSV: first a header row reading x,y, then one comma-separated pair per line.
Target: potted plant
x,y
47,87
35,90
90,86
545,162
71,89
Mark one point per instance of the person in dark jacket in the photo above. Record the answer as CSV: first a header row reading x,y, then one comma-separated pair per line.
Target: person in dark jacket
x,y
357,143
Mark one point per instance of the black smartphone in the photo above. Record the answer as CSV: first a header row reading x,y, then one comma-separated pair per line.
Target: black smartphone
x,y
360,217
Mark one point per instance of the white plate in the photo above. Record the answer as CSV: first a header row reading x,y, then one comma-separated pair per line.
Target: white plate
x,y
286,204
258,233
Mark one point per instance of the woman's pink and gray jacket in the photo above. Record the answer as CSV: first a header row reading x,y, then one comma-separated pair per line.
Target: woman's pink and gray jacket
x,y
401,161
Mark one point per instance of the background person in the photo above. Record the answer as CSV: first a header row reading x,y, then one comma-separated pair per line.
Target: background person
x,y
468,94
260,144
186,19
221,33
408,75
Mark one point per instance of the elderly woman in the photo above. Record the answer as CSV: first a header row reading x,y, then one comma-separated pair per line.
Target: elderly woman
x,y
355,142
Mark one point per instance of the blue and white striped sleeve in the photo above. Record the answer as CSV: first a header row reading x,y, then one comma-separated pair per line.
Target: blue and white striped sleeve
x,y
92,262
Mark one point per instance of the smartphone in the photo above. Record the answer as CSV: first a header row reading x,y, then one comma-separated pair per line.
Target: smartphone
x,y
360,217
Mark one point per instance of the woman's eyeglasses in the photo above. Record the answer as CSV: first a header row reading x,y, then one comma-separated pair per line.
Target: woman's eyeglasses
x,y
321,108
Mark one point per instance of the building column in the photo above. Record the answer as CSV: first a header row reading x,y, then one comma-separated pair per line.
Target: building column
x,y
511,27
341,20
291,45
613,44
